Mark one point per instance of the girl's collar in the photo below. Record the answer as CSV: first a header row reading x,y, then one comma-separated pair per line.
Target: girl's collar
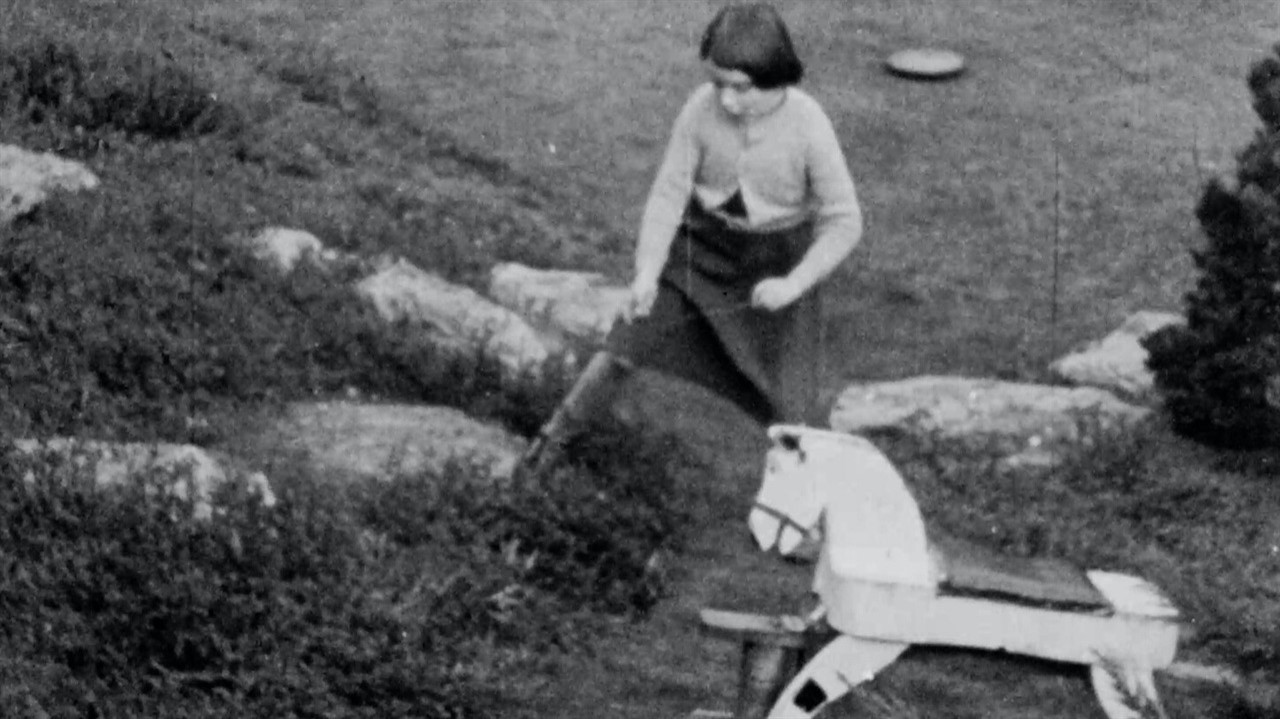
x,y
755,117
782,100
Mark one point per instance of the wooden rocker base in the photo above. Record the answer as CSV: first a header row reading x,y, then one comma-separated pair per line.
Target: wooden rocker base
x,y
774,649
786,672
777,650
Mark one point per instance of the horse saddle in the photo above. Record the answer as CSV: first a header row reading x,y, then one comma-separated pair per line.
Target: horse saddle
x,y
973,570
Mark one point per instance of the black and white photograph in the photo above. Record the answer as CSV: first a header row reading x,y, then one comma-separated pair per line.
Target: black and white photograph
x,y
639,359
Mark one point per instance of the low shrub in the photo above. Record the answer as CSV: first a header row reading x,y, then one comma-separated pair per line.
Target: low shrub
x,y
112,607
138,328
401,599
591,531
130,91
155,319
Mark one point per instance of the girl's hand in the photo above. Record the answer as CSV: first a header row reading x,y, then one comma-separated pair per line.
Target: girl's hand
x,y
643,293
775,293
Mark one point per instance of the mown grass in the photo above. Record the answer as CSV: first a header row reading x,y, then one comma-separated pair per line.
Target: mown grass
x,y
130,312
958,180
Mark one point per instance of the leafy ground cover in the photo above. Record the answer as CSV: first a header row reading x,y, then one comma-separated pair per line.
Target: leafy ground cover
x,y
410,598
460,133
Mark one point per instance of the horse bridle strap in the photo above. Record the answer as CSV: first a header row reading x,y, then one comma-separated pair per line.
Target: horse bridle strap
x,y
784,521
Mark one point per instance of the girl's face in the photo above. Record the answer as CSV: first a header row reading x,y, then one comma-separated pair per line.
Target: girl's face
x,y
739,96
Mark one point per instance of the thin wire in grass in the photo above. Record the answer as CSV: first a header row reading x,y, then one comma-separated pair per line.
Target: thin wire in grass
x,y
191,211
1054,454
1057,235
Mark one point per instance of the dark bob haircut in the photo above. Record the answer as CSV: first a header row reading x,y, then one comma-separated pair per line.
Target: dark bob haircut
x,y
754,40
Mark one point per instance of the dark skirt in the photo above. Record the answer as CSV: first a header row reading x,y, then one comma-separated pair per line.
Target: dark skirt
x,y
703,329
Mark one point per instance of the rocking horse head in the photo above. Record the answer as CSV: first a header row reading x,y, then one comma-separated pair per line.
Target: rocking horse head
x,y
788,507
842,488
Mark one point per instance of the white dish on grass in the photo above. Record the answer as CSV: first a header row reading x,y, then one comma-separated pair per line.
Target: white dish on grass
x,y
926,63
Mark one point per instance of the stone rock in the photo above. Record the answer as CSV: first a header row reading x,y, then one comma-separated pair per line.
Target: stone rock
x,y
285,248
457,318
386,440
581,306
27,178
1117,362
197,475
1024,423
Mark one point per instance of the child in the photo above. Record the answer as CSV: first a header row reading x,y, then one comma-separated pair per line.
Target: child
x,y
752,208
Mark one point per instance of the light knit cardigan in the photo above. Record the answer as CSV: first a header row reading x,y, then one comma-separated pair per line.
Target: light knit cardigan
x,y
787,163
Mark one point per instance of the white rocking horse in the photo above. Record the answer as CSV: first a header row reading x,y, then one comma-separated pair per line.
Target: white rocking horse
x,y
883,585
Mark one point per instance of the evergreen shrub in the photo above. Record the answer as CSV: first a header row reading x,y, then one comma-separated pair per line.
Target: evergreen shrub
x,y
1219,373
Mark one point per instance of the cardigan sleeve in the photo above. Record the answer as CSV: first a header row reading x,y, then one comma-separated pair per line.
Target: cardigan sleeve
x,y
838,213
671,189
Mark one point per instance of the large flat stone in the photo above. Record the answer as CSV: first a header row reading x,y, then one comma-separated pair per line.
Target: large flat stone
x,y
383,441
1117,362
456,318
578,305
27,178
1025,422
285,247
196,474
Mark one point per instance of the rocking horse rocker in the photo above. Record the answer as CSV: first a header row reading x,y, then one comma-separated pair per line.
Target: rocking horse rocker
x,y
883,585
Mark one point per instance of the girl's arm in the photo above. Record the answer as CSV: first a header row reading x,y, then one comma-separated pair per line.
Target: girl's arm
x,y
669,194
839,216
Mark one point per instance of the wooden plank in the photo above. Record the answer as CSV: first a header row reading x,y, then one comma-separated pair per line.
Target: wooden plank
x,y
973,570
772,630
1133,595
916,615
1200,672
762,674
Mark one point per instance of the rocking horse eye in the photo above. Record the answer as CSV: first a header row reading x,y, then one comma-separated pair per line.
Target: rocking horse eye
x,y
791,443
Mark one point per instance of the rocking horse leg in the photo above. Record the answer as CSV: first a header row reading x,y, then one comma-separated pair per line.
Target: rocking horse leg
x,y
1125,690
840,666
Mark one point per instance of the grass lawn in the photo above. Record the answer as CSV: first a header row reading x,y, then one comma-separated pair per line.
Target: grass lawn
x,y
1011,214
1104,107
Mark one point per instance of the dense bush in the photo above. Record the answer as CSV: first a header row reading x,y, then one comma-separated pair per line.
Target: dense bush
x,y
384,600
133,326
112,608
153,320
1220,373
149,94
592,531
